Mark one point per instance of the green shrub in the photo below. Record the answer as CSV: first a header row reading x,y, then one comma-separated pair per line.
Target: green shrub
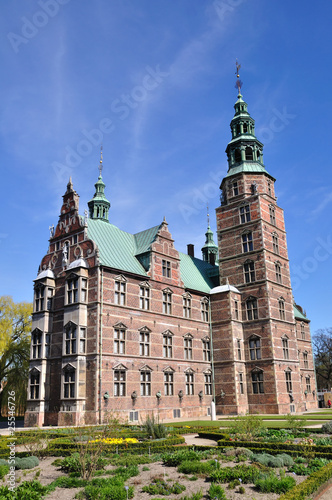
x,y
176,458
309,485
4,469
126,472
247,474
242,490
160,487
216,491
26,462
28,490
273,484
73,463
132,460
3,461
154,428
313,466
192,467
109,491
287,459
327,427
233,484
195,496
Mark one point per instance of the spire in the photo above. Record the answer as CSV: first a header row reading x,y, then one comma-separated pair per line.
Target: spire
x,y
209,249
244,151
99,205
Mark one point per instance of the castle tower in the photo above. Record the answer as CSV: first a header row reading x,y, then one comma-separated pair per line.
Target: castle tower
x,y
99,205
253,257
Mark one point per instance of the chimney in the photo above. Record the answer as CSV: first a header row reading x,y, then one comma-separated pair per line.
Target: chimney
x,y
191,251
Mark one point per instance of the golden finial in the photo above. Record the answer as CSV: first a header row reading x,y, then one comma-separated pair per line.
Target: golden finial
x,y
100,168
238,84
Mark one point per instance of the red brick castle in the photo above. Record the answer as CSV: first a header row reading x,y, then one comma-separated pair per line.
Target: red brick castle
x,y
126,323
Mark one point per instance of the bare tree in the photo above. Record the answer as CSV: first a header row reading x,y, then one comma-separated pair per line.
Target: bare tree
x,y
322,345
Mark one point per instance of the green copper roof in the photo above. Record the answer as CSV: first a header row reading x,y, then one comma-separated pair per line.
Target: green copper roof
x,y
194,273
144,239
118,250
298,314
248,167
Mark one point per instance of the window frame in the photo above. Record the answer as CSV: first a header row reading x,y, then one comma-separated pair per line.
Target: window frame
x,y
186,305
206,349
119,382
119,339
36,343
70,339
257,381
39,298
277,267
34,385
145,383
167,301
188,347
244,214
166,268
168,383
272,212
288,380
241,383
305,359
167,344
69,384
205,309
285,347
281,308
190,383
249,271
252,309
208,383
247,242
275,243
120,291
255,348
144,342
144,297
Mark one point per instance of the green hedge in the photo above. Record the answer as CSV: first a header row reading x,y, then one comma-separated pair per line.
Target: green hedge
x,y
216,436
299,448
309,485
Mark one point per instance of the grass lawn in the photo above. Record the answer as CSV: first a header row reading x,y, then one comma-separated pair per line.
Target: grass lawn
x,y
277,422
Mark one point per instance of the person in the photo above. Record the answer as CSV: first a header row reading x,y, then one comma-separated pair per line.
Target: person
x,y
329,403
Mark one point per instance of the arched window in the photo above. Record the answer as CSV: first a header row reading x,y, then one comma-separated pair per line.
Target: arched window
x,y
237,156
249,154
245,128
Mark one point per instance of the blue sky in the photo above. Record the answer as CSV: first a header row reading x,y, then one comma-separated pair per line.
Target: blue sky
x,y
154,81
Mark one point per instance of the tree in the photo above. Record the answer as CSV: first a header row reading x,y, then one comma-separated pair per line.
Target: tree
x,y
15,337
322,344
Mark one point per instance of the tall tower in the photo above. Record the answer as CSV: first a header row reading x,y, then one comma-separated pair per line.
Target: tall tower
x,y
253,258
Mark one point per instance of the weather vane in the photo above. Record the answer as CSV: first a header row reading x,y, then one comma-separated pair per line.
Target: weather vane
x,y
208,215
238,84
100,168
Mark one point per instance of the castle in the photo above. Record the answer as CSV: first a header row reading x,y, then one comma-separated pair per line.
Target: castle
x,y
125,323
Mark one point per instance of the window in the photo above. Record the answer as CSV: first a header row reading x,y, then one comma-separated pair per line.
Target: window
x,y
49,299
34,385
278,272
275,243
237,156
288,376
255,348
120,292
281,309
241,383
119,383
257,382
206,349
177,413
84,285
119,341
235,185
305,360
247,243
236,309
208,384
245,128
249,154
188,347
133,416
167,345
186,301
166,268
167,302
145,383
205,309
251,307
302,331
82,340
272,215
308,385
189,384
144,297
269,189
144,343
70,338
36,341
69,384
168,384
39,298
47,345
249,272
285,348
72,290
244,214
238,342
75,239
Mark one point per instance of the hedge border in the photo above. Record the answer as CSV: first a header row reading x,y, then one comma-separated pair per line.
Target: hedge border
x,y
310,485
